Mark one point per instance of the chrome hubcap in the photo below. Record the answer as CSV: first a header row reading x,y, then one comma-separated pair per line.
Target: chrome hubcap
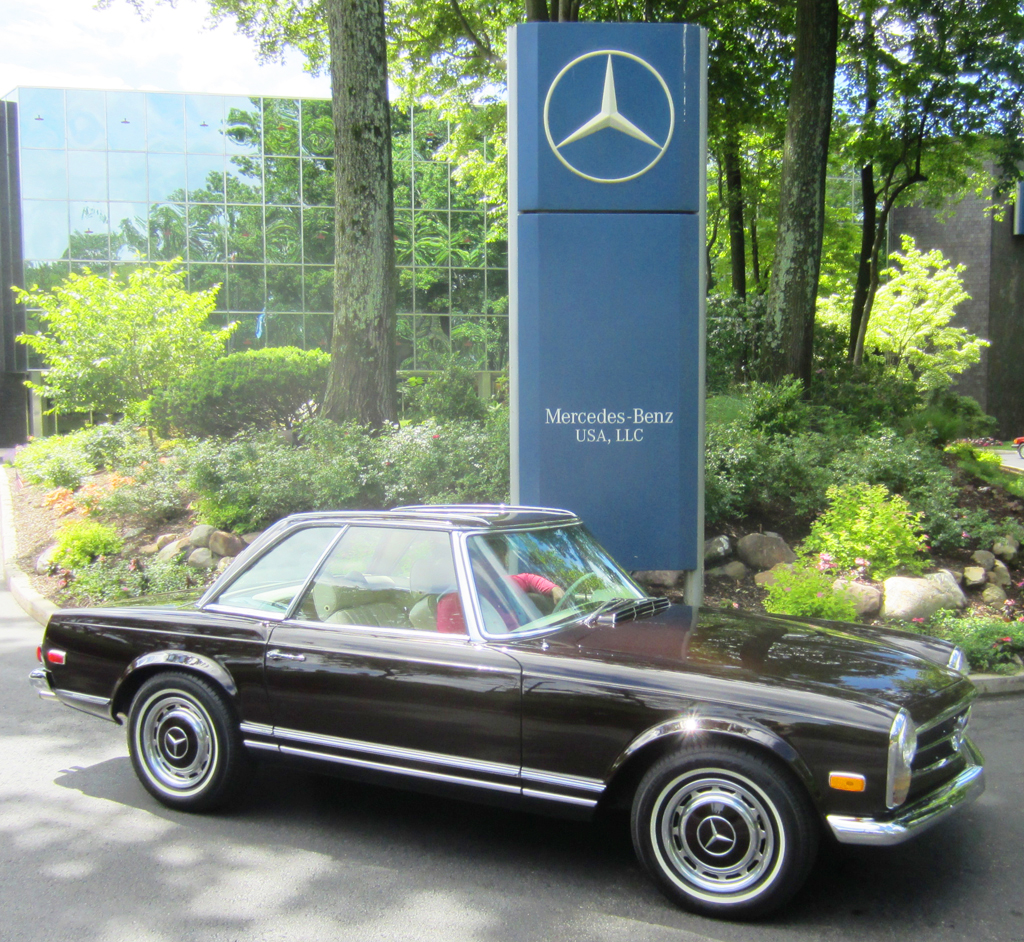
x,y
177,742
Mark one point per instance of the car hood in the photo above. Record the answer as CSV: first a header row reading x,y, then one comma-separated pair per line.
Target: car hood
x,y
760,650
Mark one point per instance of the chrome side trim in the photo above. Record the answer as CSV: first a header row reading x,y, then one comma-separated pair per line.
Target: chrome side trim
x,y
40,682
567,799
397,752
256,729
197,662
82,697
578,782
926,812
256,744
400,770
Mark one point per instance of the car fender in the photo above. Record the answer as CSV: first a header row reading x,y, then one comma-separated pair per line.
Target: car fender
x,y
174,659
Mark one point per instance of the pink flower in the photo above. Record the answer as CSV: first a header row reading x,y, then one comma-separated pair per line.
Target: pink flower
x,y
919,621
435,436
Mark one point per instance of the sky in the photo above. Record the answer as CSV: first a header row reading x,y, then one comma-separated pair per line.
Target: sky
x,y
67,43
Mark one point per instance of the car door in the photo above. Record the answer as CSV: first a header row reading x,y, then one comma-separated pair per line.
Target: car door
x,y
371,670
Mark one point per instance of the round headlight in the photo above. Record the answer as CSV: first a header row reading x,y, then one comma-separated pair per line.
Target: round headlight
x,y
902,748
958,660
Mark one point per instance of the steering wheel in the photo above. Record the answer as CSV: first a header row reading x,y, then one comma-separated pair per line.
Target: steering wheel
x,y
562,602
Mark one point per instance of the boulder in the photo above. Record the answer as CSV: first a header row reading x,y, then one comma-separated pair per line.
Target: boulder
x,y
172,549
974,576
1000,575
224,562
993,595
201,558
1006,548
768,577
148,549
200,535
764,550
164,539
718,547
222,543
906,598
984,559
867,598
251,538
666,578
734,570
45,560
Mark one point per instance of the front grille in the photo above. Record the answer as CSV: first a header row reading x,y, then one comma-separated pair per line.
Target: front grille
x,y
939,757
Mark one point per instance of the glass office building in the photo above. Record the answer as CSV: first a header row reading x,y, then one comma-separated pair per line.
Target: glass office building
x,y
241,189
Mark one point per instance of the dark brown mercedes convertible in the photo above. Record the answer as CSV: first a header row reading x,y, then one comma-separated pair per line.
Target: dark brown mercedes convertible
x,y
499,653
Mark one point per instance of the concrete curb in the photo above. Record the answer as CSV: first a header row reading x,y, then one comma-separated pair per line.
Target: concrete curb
x,y
16,582
40,609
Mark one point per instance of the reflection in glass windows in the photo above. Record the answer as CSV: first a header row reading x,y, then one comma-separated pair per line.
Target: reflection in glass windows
x,y
127,175
126,121
168,235
41,118
165,122
129,230
44,174
87,175
87,120
284,288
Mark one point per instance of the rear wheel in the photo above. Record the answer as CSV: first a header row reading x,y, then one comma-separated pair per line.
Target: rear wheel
x,y
184,742
724,832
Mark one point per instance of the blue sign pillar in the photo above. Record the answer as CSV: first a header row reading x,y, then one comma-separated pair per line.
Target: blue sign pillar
x,y
607,127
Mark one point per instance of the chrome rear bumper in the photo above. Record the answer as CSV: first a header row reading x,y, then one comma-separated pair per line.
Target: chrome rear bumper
x,y
931,809
40,680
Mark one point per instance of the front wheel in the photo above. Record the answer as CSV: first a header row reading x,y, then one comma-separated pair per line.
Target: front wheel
x,y
184,742
1020,450
724,832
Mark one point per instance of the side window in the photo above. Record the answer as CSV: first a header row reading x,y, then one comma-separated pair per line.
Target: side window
x,y
387,577
270,584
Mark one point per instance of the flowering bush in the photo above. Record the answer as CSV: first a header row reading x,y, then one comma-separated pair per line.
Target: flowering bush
x,y
991,644
79,542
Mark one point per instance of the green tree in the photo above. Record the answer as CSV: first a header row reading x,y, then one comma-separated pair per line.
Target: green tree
x,y
109,343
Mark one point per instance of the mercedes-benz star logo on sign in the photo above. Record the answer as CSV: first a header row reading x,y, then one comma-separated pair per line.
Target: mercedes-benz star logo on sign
x,y
609,119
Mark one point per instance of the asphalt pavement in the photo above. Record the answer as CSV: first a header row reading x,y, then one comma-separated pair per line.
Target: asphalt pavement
x,y
87,855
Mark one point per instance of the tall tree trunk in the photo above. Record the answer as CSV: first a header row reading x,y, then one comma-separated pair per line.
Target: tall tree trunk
x,y
361,386
755,254
797,263
868,227
734,197
537,11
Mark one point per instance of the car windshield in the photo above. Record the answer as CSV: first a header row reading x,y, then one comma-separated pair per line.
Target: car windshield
x,y
535,578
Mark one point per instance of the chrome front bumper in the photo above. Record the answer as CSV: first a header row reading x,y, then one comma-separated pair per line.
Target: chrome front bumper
x,y
920,816
40,680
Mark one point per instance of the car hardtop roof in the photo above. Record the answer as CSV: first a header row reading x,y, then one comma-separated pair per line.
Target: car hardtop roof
x,y
490,516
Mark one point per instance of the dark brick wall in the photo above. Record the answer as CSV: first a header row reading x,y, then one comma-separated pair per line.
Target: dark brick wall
x,y
1006,320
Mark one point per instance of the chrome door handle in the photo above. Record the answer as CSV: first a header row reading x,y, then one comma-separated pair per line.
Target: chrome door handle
x,y
276,655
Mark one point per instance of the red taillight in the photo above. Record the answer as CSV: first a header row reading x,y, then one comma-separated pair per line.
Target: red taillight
x,y
55,657
39,653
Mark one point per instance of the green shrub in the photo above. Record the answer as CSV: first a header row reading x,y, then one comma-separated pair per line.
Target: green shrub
x,y
449,396
807,592
273,387
79,542
778,408
112,580
866,522
735,337
58,461
154,493
990,644
950,416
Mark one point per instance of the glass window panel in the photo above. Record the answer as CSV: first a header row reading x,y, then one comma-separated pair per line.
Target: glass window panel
x,y
318,182
44,227
497,343
205,174
89,230
469,341
497,253
90,268
129,230
87,120
431,239
467,240
44,174
433,349
317,128
165,119
245,233
284,288
41,117
281,179
401,124
318,236
497,291
245,180
319,328
126,120
87,175
247,288
206,226
467,291
204,124
284,235
402,178
319,291
244,131
281,126
405,333
244,336
285,330
166,177
429,132
431,290
168,236
127,176
463,197
431,186
404,302
403,237
46,275
203,277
